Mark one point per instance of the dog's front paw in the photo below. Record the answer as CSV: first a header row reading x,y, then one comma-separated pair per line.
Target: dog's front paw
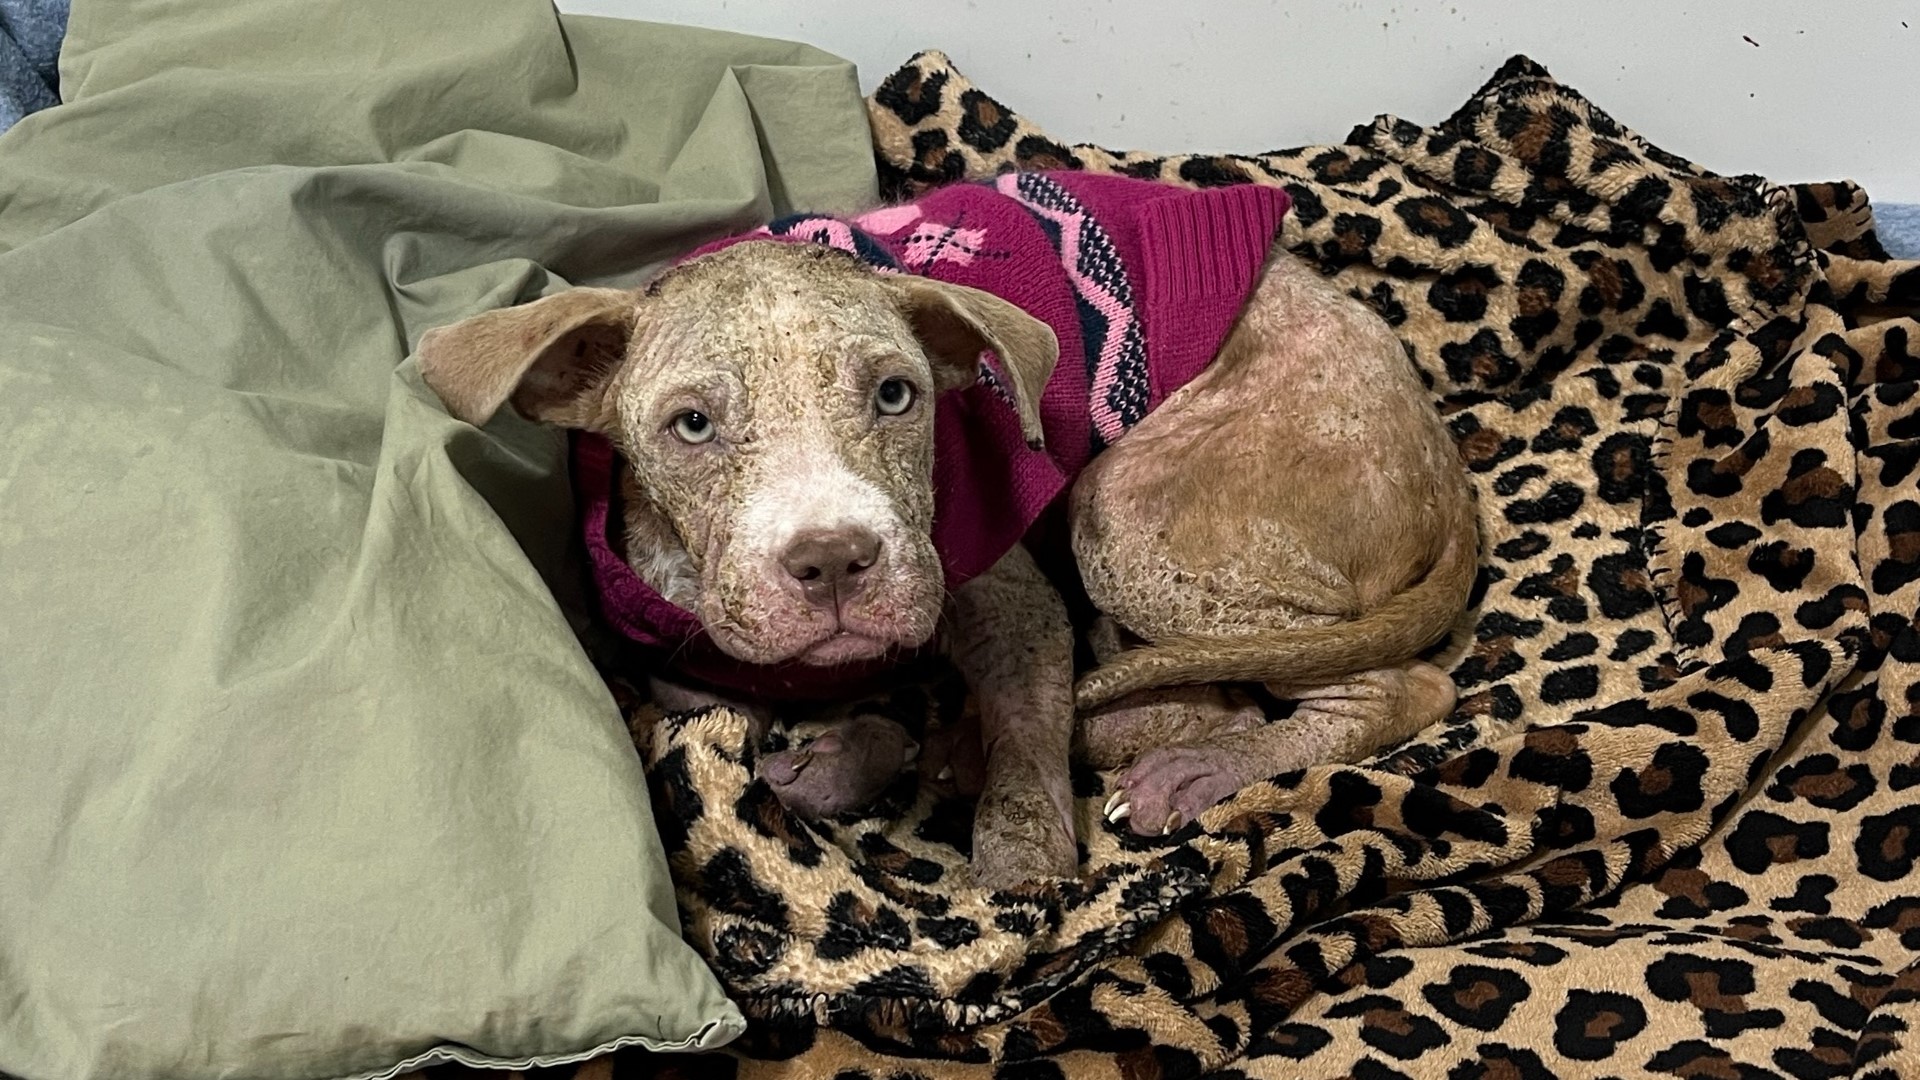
x,y
1021,835
841,771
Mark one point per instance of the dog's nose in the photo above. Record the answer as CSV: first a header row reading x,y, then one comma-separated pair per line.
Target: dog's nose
x,y
826,562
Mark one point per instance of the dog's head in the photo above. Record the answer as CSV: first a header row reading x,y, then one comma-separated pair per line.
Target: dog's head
x,y
775,402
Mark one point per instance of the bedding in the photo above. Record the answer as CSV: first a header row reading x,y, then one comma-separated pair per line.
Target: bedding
x,y
1670,830
278,810
30,32
1900,229
306,774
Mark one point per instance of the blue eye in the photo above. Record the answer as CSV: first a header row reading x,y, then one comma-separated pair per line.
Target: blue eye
x,y
693,428
893,397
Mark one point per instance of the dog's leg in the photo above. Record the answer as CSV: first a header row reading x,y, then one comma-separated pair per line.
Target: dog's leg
x,y
1012,642
1113,735
1296,514
1172,785
1116,734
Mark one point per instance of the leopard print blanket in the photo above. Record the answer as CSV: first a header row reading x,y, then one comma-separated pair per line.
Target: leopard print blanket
x,y
1668,830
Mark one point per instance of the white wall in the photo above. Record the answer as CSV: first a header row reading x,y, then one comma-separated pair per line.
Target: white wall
x,y
1826,89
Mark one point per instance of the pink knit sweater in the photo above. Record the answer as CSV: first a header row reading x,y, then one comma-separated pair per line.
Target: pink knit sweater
x,y
1140,282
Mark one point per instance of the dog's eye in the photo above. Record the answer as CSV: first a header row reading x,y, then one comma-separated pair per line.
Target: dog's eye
x,y
893,397
693,428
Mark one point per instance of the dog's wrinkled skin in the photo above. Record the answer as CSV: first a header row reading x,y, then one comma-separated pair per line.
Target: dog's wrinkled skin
x,y
1297,516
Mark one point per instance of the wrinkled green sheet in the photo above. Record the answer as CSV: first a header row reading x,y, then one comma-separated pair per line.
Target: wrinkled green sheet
x,y
304,774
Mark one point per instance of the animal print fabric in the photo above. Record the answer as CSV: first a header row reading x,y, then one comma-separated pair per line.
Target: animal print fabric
x,y
1671,829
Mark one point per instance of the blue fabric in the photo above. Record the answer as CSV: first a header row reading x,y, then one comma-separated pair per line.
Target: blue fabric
x,y
30,34
1899,227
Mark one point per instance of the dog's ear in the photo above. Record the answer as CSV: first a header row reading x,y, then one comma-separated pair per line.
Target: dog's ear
x,y
956,324
552,358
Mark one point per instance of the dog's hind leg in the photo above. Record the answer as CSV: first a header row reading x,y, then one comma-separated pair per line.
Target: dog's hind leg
x,y
1171,785
1297,512
1114,735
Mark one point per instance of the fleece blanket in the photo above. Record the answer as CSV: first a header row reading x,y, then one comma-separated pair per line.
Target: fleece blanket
x,y
1669,829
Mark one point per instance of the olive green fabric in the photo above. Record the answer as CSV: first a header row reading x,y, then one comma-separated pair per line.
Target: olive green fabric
x,y
304,773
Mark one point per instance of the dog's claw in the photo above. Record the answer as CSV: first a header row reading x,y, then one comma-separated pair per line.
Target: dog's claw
x,y
1117,808
913,753
945,773
1173,822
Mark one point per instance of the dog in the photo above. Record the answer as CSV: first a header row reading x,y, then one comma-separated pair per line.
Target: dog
x,y
814,450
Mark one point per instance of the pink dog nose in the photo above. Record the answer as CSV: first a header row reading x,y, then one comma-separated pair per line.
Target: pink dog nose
x,y
826,563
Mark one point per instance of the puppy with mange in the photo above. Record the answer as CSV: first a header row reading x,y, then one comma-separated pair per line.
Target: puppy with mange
x,y
812,452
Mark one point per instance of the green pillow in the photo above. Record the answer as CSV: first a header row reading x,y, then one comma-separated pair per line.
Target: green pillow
x,y
306,775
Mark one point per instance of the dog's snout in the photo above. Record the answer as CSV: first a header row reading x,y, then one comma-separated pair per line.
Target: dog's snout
x,y
825,562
